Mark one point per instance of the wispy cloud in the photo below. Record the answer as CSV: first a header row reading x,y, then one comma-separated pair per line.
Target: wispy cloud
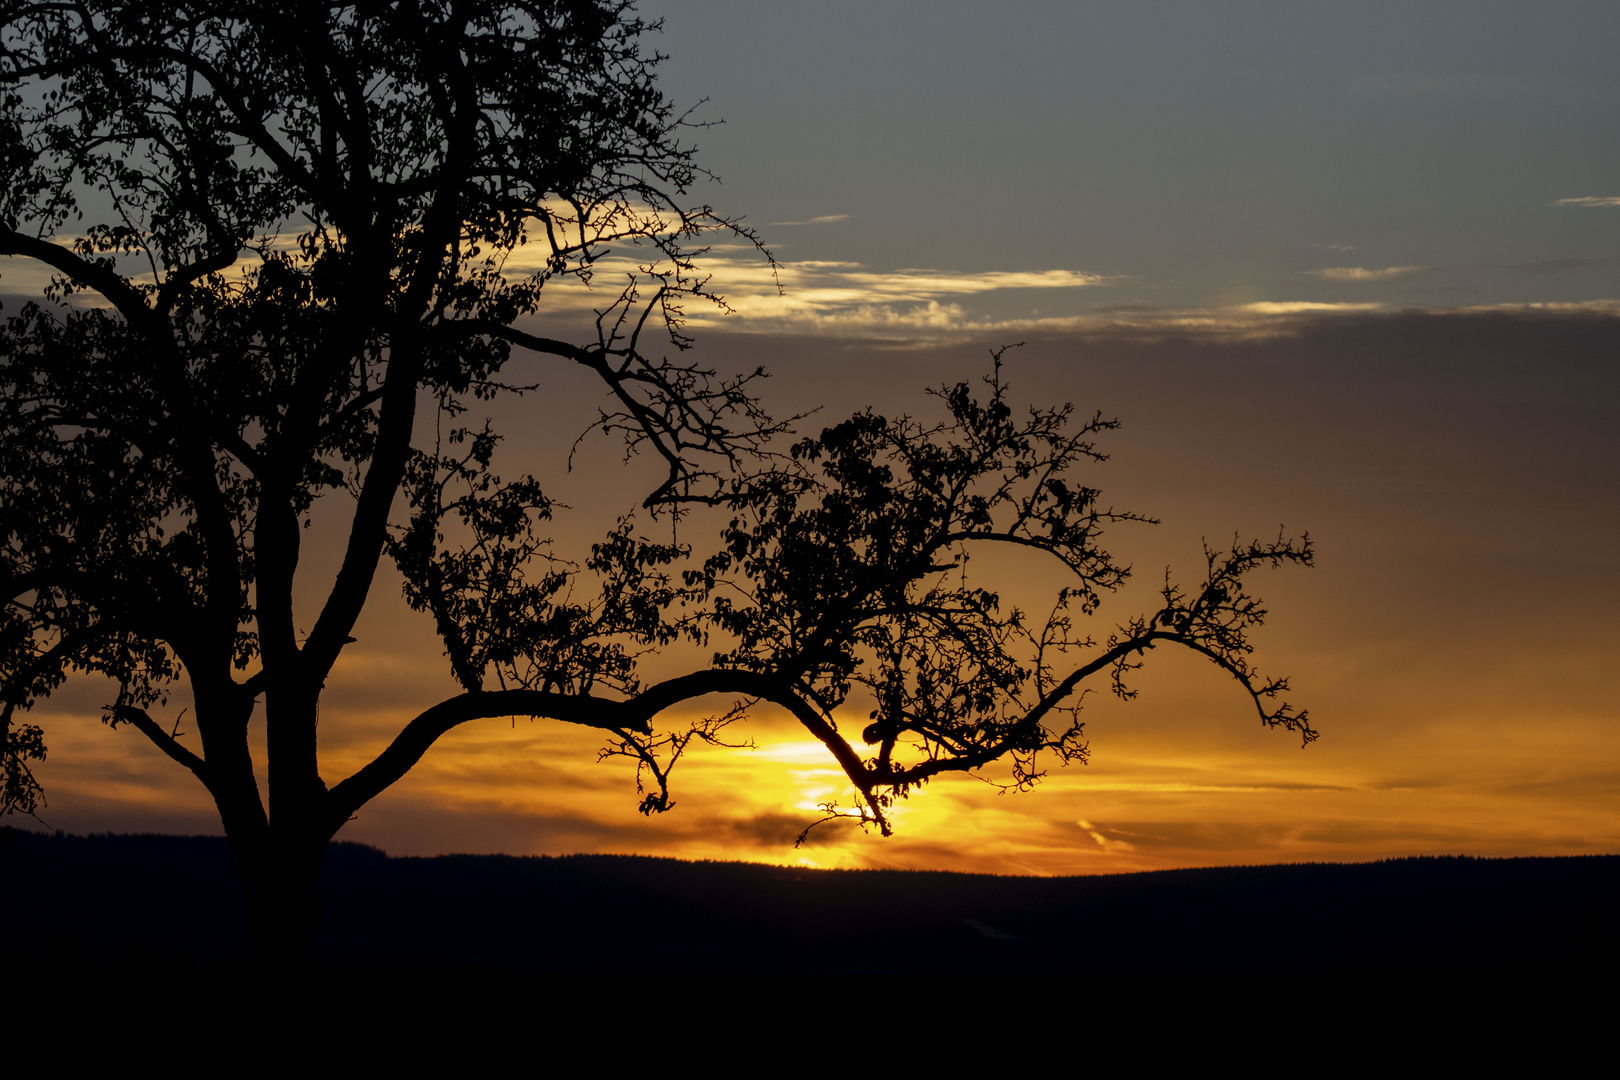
x,y
838,280
1571,307
824,219
1104,842
834,297
1297,307
1362,273
916,306
1590,200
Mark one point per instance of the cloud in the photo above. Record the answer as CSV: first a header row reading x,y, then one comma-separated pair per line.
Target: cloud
x,y
824,219
1297,307
932,281
1106,843
824,296
1170,787
1590,200
741,290
1572,307
1362,273
773,830
915,306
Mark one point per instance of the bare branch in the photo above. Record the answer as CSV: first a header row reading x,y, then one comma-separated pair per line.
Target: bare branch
x,y
142,722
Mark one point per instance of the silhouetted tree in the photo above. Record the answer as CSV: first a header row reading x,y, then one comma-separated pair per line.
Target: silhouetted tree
x,y
279,234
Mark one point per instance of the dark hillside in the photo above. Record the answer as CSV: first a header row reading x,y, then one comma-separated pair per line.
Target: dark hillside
x,y
145,898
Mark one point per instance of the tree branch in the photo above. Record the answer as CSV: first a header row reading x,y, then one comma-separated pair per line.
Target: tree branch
x,y
422,732
633,714
138,719
119,292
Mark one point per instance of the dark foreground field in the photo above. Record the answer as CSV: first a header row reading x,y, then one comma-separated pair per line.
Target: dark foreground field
x,y
124,948
157,901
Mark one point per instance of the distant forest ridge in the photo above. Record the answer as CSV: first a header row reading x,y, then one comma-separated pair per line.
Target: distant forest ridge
x,y
145,898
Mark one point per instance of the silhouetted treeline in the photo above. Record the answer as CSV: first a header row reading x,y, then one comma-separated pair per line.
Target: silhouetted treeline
x,y
144,900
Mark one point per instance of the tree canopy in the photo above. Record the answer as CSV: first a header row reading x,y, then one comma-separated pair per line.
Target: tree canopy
x,y
281,240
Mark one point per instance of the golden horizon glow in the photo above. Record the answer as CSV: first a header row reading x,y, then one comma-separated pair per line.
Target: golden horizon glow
x,y
1164,791
1453,644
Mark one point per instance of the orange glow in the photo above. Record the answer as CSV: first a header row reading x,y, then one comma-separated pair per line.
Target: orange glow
x,y
1455,645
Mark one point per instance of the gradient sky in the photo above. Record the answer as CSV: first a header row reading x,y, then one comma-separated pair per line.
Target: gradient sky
x,y
1191,154
1344,268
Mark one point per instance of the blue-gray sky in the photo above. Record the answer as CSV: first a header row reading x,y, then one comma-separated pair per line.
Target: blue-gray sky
x,y
1193,155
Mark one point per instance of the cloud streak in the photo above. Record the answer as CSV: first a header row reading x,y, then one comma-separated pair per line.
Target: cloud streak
x,y
1362,273
829,297
916,306
1302,307
824,219
1590,200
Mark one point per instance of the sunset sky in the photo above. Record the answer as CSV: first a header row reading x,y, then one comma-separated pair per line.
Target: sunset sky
x,y
1351,269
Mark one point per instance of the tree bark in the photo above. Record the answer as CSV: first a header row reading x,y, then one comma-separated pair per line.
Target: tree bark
x,y
281,881
278,855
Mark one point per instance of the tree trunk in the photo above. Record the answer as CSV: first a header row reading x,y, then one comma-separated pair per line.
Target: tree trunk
x,y
278,859
278,855
282,885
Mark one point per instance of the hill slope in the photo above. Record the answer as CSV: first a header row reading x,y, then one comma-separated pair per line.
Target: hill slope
x,y
159,896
